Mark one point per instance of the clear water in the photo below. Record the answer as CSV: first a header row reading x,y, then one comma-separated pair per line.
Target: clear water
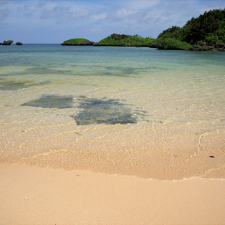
x,y
60,88
170,86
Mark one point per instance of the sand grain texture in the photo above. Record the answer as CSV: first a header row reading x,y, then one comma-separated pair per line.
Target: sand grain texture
x,y
32,195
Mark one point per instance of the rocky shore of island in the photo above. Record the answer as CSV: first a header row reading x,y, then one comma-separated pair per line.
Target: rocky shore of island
x,y
208,47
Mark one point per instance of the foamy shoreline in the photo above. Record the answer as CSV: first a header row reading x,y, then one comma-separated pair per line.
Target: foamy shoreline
x,y
33,195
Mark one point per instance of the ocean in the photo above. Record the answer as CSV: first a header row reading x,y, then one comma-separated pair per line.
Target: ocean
x,y
119,110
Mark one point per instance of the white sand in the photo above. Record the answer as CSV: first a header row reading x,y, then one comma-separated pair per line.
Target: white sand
x,y
32,195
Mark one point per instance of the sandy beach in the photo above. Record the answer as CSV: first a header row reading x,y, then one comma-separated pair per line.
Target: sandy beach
x,y
33,195
111,136
128,175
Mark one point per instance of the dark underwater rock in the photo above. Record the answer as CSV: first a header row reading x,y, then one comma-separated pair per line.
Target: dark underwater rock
x,y
17,85
51,101
104,111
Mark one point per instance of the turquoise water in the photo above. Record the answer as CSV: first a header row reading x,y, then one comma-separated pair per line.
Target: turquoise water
x,y
51,90
153,80
110,60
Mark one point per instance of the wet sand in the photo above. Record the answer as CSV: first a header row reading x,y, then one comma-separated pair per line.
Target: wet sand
x,y
33,195
163,152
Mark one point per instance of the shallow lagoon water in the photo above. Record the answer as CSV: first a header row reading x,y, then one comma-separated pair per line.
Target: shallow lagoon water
x,y
52,93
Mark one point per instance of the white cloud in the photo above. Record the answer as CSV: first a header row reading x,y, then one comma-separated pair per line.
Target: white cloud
x,y
100,16
141,4
81,13
96,19
124,13
57,12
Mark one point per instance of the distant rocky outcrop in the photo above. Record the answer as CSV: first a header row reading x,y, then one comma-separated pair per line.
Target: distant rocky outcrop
x,y
0,43
19,43
208,47
9,42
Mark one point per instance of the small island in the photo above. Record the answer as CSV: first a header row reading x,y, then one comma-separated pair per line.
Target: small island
x,y
9,42
78,42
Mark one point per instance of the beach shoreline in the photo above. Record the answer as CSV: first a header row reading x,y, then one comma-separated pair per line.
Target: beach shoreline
x,y
33,195
158,152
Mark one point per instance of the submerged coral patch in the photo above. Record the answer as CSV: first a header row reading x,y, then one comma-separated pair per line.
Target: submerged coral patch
x,y
92,110
16,85
12,85
52,101
106,111
46,70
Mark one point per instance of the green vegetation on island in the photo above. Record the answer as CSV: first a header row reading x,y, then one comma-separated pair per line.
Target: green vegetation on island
x,y
169,44
204,33
9,42
78,41
138,41
125,40
208,27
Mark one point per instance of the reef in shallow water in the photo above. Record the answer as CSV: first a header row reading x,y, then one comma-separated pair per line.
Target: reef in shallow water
x,y
17,85
52,101
107,111
93,110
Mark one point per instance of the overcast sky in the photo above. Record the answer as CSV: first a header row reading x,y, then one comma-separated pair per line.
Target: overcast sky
x,y
54,21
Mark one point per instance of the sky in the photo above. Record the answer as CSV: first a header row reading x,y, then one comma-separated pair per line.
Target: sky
x,y
54,21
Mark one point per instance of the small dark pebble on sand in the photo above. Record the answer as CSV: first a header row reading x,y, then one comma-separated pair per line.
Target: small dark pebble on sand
x,y
211,156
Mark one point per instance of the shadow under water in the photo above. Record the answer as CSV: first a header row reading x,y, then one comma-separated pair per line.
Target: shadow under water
x,y
94,110
16,85
107,111
52,101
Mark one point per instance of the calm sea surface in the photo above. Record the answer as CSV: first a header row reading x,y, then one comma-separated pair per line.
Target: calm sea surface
x,y
63,88
163,86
